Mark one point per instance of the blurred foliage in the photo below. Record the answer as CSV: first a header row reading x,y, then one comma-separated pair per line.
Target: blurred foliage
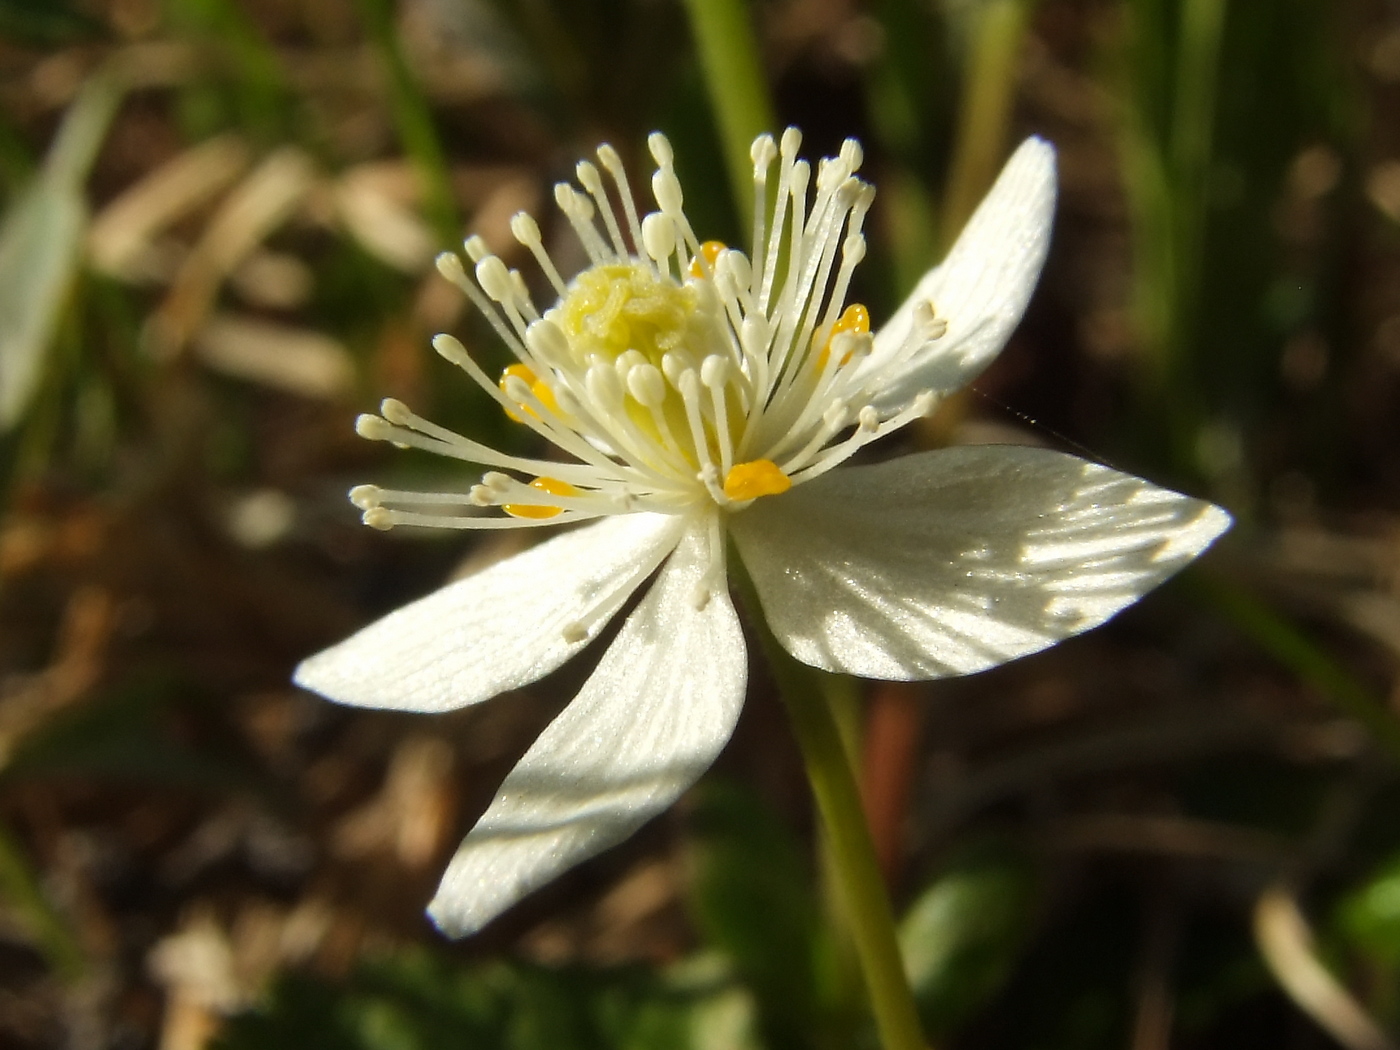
x,y
416,1001
219,220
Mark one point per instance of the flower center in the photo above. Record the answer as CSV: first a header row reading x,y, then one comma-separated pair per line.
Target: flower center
x,y
617,307
672,371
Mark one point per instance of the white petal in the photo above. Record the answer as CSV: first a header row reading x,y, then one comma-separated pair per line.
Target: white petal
x,y
954,561
649,721
500,629
980,289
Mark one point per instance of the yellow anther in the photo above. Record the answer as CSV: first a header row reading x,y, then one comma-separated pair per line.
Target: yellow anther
x,y
855,319
761,477
553,486
538,387
710,250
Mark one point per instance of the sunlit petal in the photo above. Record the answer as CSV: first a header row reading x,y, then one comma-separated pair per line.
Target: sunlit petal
x,y
980,289
954,561
646,724
500,629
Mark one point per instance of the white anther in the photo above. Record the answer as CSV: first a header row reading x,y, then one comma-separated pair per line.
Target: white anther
x,y
481,496
366,496
496,483
572,203
609,158
801,173
791,142
564,398
762,153
451,349
869,419
646,386
494,279
673,366
395,411
449,264
852,154
714,371
700,597
574,632
936,329
525,229
371,427
755,335
588,177
516,389
547,341
666,188
661,151
853,249
628,360
830,172
603,385
476,248
924,402
378,518
658,236
734,265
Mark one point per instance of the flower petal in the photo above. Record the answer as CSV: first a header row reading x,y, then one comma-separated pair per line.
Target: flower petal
x,y
646,724
954,561
500,629
980,289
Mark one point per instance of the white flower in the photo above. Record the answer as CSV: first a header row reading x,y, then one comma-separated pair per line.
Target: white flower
x,y
698,390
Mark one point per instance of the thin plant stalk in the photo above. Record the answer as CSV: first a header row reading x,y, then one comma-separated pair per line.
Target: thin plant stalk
x,y
414,122
984,117
734,80
850,852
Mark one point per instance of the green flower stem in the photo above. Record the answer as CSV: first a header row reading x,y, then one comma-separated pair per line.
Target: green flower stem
x,y
414,121
989,90
849,848
736,86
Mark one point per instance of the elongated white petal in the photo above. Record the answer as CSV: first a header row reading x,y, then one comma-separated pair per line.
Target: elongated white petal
x,y
646,724
980,289
500,629
954,561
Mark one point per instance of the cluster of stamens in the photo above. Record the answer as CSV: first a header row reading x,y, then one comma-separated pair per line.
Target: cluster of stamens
x,y
673,372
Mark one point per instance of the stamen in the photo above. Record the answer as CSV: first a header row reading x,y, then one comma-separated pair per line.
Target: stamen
x,y
579,212
608,157
527,232
589,178
659,238
761,153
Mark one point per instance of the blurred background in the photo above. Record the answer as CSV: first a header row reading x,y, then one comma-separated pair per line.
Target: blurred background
x,y
219,220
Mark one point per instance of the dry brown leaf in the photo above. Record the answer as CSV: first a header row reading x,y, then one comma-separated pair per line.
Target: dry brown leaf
x,y
296,360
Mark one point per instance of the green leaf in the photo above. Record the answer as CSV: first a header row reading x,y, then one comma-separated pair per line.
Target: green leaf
x,y
46,23
753,901
20,888
962,935
41,241
424,1000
